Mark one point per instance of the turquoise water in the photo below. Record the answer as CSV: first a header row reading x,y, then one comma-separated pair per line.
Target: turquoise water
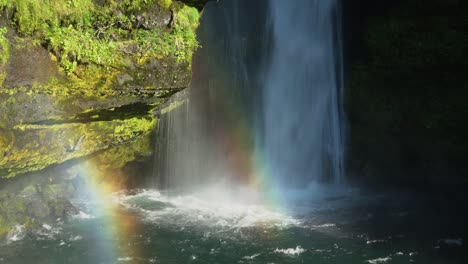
x,y
170,228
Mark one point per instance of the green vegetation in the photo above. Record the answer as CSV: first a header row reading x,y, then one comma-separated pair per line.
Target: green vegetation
x,y
117,157
186,22
97,59
4,52
35,147
165,3
81,33
4,46
94,45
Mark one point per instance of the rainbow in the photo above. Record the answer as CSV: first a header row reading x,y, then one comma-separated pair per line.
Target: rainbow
x,y
114,227
247,163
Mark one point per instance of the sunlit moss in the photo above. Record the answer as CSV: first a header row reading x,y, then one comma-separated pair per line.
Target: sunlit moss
x,y
118,156
4,53
38,146
165,3
4,46
93,45
73,45
39,15
90,81
81,32
186,22
6,139
180,41
172,106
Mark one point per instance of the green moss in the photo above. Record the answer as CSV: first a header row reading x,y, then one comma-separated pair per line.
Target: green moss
x,y
117,157
172,106
90,81
38,146
137,5
6,140
81,32
94,44
34,16
73,45
186,22
4,46
4,53
180,41
165,3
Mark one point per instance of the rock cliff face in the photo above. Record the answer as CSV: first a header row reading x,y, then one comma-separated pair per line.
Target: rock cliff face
x,y
406,96
83,82
86,76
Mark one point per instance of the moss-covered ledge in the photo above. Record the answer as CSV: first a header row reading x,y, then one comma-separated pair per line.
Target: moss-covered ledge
x,y
34,147
71,74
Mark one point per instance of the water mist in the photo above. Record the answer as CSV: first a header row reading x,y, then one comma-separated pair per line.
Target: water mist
x,y
264,105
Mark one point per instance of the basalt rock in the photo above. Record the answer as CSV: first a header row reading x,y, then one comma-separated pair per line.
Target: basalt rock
x,y
72,90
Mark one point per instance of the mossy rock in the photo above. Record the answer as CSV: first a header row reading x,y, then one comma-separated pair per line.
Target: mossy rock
x,y
96,72
85,62
32,206
38,146
84,32
86,55
6,140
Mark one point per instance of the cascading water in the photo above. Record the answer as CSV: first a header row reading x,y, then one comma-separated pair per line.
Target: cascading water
x,y
264,100
303,135
209,139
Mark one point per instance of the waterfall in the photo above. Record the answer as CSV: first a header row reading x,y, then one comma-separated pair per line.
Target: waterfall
x,y
200,142
303,138
265,96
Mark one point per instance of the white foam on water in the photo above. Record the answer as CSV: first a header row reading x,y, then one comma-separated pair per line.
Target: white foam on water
x,y
16,234
252,257
379,260
291,251
83,215
326,225
76,238
47,232
212,208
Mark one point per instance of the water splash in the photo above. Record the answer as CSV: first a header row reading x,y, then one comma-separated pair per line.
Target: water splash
x,y
208,208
